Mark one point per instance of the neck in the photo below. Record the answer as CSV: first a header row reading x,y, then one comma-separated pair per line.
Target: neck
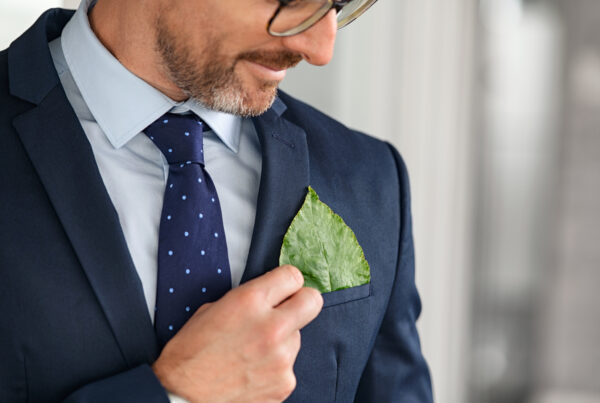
x,y
126,29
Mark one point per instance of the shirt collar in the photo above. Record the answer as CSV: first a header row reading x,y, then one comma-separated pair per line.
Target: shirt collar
x,y
123,104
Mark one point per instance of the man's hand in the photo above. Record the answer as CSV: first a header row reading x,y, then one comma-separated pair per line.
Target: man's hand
x,y
242,348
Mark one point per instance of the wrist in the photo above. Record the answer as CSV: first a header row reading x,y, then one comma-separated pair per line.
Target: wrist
x,y
174,381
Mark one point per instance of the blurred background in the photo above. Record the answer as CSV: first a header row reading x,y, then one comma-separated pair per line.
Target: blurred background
x,y
495,106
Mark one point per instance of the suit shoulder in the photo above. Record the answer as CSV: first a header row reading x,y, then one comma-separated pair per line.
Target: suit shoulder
x,y
6,100
306,115
12,106
3,74
325,133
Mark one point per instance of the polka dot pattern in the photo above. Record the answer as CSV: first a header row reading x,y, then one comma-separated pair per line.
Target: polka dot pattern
x,y
193,267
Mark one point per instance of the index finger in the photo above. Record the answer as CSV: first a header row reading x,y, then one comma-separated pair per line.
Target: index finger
x,y
279,283
302,308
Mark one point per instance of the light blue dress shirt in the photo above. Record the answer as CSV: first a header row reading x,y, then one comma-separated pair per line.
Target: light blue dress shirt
x,y
114,106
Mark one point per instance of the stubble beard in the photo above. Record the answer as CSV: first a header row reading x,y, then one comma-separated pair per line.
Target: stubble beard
x,y
211,79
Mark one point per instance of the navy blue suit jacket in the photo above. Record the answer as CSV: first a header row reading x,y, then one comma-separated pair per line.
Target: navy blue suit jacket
x,y
74,324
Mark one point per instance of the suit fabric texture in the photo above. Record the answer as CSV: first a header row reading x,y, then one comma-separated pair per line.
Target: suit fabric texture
x,y
74,325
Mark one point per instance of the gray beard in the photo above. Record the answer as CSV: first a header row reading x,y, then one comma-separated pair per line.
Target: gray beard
x,y
213,83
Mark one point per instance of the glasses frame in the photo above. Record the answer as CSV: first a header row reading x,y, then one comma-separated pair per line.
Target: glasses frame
x,y
317,16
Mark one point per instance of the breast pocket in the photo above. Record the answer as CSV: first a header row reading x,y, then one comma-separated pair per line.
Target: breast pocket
x,y
346,295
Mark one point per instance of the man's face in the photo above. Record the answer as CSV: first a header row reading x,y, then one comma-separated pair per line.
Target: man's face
x,y
219,52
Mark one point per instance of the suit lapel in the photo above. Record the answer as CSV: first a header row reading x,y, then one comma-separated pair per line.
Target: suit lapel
x,y
283,187
63,159
65,164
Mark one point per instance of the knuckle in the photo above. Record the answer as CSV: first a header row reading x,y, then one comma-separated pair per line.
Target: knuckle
x,y
251,297
297,338
204,307
284,358
287,385
316,297
294,274
274,334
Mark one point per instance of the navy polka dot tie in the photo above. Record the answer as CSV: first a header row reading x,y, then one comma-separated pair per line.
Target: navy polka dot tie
x,y
193,267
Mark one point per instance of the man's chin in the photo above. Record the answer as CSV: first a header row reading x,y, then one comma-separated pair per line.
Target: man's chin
x,y
257,108
265,99
241,103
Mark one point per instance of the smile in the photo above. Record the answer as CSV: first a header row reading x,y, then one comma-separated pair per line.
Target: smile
x,y
264,72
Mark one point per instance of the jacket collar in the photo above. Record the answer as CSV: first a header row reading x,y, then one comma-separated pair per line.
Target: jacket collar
x,y
283,186
30,68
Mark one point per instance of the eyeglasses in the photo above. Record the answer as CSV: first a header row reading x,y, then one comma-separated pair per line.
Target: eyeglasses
x,y
295,16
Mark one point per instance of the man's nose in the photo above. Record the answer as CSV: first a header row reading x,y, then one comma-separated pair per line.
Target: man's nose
x,y
316,43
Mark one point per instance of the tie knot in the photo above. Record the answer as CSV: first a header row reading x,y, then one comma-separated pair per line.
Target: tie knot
x,y
178,137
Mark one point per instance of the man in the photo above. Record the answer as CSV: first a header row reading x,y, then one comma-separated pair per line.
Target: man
x,y
92,206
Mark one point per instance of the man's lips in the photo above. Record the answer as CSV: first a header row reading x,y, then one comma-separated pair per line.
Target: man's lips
x,y
270,73
271,65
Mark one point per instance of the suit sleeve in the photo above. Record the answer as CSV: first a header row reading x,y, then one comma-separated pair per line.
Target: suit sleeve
x,y
136,385
396,370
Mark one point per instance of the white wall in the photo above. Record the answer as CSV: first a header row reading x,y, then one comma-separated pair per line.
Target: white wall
x,y
18,15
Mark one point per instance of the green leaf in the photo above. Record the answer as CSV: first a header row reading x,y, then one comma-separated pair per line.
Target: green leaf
x,y
324,248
